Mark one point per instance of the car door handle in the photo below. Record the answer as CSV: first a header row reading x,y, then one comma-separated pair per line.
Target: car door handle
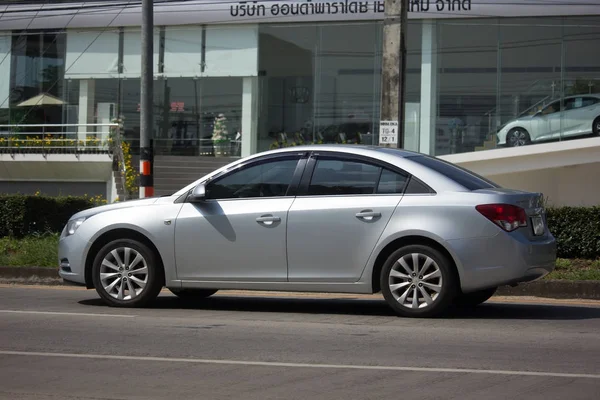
x,y
267,219
368,215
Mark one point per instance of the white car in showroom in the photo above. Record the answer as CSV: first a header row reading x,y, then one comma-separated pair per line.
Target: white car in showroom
x,y
580,116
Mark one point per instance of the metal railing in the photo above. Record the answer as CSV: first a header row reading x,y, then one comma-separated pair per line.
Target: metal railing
x,y
56,138
191,146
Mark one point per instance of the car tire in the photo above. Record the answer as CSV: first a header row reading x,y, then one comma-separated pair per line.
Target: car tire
x,y
474,298
596,127
517,137
436,285
193,294
127,273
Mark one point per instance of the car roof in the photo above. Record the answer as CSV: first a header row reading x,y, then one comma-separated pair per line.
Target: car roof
x,y
573,96
348,149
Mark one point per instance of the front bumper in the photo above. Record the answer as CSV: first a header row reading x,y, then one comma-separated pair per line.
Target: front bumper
x,y
501,138
505,259
71,259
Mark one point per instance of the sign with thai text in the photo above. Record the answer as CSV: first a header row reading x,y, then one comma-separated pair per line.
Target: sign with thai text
x,y
183,12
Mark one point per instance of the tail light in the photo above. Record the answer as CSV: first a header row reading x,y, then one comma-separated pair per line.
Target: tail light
x,y
506,216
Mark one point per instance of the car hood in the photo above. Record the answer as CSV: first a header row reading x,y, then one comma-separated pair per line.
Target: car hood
x,y
115,206
520,119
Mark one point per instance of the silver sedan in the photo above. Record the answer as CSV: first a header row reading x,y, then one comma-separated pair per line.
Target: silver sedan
x,y
345,219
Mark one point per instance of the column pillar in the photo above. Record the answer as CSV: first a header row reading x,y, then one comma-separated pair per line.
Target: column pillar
x,y
249,116
87,94
429,88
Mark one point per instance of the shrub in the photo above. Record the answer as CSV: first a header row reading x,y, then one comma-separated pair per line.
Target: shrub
x,y
22,215
577,231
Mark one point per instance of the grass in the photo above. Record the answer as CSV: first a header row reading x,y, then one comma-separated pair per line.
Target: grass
x,y
34,251
576,270
42,251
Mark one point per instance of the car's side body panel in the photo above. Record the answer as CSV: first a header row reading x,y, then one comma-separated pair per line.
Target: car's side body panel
x,y
328,241
154,220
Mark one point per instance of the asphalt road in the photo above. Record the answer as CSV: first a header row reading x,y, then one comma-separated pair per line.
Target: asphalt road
x,y
58,343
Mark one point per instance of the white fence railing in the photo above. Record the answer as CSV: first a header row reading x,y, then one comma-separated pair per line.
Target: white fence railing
x,y
56,138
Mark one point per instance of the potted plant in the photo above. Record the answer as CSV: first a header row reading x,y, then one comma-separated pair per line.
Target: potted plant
x,y
220,137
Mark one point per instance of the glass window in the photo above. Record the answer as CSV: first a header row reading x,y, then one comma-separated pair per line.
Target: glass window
x,y
468,179
320,83
37,66
391,182
467,61
190,113
551,108
269,179
415,186
337,177
588,101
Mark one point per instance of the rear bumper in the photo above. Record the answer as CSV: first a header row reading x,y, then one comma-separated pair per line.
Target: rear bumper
x,y
502,260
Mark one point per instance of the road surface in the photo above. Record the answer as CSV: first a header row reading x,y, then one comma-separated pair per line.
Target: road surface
x,y
64,343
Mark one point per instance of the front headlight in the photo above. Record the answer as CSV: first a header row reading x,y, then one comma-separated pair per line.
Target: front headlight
x,y
73,224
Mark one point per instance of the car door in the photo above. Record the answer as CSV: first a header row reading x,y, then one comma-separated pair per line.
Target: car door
x,y
581,117
546,124
342,207
570,116
239,231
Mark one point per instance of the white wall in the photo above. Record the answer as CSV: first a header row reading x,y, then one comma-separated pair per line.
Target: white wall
x,y
67,173
575,185
565,172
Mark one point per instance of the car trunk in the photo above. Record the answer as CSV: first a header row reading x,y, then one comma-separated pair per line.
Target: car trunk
x,y
531,202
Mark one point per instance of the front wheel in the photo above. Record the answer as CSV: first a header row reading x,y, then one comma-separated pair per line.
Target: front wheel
x,y
126,273
418,281
474,298
517,137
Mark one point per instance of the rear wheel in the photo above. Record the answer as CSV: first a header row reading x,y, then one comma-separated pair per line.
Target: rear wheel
x,y
418,281
474,298
596,127
126,273
193,294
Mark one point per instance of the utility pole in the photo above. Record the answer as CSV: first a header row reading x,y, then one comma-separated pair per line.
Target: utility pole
x,y
146,101
391,130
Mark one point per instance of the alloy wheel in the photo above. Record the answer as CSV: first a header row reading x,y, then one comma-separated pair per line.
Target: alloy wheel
x,y
517,138
415,281
124,273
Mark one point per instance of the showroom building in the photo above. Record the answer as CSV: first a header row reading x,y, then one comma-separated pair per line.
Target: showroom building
x,y
273,73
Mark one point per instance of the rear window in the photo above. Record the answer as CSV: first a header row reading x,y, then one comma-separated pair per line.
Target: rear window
x,y
468,179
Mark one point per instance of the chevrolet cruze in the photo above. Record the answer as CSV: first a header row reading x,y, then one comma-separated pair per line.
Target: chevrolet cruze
x,y
334,218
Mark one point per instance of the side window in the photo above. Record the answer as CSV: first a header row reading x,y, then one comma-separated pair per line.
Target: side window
x,y
589,101
341,177
268,179
573,103
391,182
551,108
415,186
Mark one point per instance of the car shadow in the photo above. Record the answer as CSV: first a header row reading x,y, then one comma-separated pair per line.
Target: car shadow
x,y
375,307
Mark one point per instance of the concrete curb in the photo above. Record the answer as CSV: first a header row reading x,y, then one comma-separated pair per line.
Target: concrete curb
x,y
554,289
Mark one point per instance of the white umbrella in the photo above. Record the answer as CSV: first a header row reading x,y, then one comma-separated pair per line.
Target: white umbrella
x,y
42,99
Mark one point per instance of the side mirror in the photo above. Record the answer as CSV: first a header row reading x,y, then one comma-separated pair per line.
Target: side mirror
x,y
198,194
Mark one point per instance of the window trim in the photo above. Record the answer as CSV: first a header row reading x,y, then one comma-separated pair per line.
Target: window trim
x,y
328,155
301,159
